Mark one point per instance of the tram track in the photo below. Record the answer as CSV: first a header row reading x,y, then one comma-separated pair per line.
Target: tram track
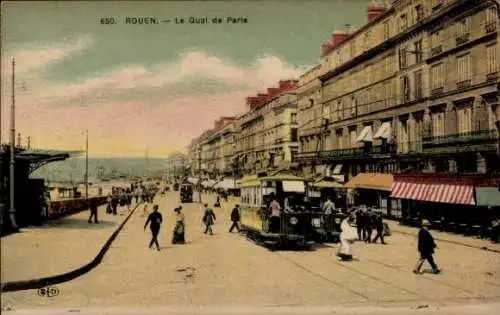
x,y
418,296
431,279
336,283
453,286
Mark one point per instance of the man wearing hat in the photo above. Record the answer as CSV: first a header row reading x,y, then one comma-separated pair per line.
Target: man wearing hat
x,y
426,246
235,217
154,220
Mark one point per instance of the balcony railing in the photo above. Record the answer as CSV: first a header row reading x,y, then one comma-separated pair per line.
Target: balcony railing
x,y
461,138
462,39
364,151
463,84
490,27
436,50
409,147
437,91
492,76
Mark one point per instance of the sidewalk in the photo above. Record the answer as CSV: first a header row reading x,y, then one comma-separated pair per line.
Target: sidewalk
x,y
56,248
447,237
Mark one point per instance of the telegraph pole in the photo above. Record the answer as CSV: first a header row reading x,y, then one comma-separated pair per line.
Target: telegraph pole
x,y
12,209
86,164
199,177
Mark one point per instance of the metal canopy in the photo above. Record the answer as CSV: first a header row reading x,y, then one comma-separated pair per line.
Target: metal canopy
x,y
38,158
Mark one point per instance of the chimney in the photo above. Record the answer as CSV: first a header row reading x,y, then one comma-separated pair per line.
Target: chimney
x,y
252,101
272,91
285,85
375,10
337,38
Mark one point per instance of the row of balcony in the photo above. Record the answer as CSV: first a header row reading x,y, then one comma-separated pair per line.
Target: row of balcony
x,y
489,27
472,141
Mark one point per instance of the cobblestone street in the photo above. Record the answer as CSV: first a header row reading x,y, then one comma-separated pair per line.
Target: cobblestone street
x,y
226,269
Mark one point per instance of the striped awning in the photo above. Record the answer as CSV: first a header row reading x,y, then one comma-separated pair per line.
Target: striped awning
x,y
455,194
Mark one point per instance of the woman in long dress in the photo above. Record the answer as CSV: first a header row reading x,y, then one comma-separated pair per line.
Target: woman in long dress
x,y
179,229
347,238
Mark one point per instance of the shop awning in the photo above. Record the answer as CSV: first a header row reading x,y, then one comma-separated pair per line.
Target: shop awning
x,y
377,181
385,131
487,196
227,183
455,194
337,169
207,183
327,184
365,135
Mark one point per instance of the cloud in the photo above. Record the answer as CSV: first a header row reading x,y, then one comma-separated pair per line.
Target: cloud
x,y
41,55
188,73
189,93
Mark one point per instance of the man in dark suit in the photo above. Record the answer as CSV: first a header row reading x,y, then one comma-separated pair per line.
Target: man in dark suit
x,y
426,246
93,210
235,217
379,227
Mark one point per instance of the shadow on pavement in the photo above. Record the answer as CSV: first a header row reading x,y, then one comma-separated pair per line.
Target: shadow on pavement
x,y
82,223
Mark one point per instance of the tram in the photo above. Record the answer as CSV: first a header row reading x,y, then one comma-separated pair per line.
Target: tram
x,y
186,192
296,223
318,192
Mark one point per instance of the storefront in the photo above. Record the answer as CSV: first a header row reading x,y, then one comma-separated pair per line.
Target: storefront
x,y
449,201
372,190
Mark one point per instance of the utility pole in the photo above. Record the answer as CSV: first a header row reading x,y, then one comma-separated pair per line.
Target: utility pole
x,y
199,175
86,164
12,209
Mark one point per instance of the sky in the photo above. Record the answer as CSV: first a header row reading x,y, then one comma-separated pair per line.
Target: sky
x,y
151,88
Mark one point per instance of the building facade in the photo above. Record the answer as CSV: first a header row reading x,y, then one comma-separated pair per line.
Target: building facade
x,y
176,166
217,149
413,90
407,91
267,134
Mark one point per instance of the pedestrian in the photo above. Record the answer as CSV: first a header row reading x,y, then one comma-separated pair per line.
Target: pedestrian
x,y
145,210
217,202
179,229
426,246
109,208
208,219
93,210
347,238
379,227
114,203
235,217
155,220
368,225
129,200
360,224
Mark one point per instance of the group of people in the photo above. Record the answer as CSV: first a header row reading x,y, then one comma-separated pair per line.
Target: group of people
x,y
366,222
122,197
155,220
